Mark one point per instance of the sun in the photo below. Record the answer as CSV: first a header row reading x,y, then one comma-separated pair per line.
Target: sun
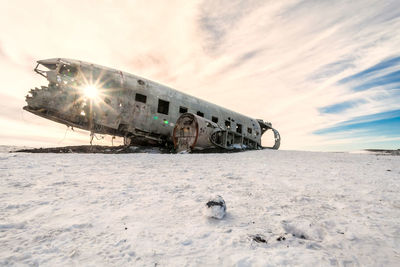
x,y
90,91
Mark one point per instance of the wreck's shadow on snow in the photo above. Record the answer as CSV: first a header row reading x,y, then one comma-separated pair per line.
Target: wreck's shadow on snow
x,y
96,149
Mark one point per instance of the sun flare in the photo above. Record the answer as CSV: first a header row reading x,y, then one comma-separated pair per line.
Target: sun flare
x,y
90,91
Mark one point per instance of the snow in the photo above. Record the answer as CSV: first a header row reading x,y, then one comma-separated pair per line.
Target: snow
x,y
146,209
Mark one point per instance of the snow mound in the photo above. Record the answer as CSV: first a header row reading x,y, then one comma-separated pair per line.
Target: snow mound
x,y
215,208
304,230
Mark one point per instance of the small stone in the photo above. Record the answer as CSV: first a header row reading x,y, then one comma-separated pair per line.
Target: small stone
x,y
281,238
259,238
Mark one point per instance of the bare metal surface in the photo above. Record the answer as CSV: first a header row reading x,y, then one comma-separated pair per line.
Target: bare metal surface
x,y
118,110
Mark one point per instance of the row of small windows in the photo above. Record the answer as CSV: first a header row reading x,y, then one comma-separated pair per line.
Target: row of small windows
x,y
163,108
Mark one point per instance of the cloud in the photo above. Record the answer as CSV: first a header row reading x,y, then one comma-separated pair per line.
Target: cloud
x,y
219,17
383,65
282,61
337,108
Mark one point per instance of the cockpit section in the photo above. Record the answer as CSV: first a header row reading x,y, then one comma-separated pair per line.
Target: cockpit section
x,y
50,64
78,94
68,70
56,71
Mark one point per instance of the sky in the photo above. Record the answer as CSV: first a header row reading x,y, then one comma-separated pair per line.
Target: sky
x,y
326,74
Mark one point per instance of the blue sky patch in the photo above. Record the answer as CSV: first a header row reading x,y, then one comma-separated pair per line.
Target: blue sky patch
x,y
380,66
391,78
340,107
380,124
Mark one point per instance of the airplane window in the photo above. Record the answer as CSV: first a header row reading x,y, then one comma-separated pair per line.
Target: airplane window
x,y
249,130
182,110
140,98
214,119
239,128
50,66
163,106
201,114
68,70
228,124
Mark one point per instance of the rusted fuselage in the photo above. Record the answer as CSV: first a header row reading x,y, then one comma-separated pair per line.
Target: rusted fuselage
x,y
108,101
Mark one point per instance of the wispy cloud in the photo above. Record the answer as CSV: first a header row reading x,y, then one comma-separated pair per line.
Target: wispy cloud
x,y
385,64
341,107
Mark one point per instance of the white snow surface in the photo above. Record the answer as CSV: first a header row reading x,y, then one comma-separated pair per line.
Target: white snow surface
x,y
146,209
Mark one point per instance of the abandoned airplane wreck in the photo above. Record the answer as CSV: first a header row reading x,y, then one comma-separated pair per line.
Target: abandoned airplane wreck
x,y
108,101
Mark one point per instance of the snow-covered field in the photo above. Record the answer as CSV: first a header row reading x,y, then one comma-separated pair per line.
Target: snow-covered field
x,y
312,209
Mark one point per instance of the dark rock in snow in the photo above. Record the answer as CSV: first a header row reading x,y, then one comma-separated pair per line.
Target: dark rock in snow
x,y
281,238
259,238
301,236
